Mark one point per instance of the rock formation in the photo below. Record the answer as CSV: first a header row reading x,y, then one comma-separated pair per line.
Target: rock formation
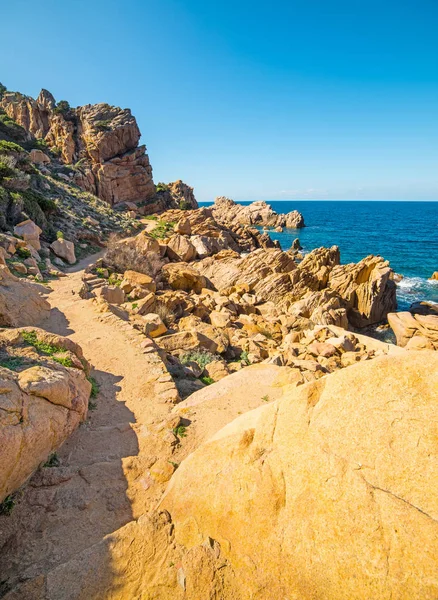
x,y
415,331
21,302
256,213
102,141
325,493
41,401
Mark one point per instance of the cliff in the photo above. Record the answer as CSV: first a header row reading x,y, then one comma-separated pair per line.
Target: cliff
x,y
100,140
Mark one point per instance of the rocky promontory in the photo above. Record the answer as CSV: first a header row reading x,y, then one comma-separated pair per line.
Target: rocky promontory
x,y
256,213
100,140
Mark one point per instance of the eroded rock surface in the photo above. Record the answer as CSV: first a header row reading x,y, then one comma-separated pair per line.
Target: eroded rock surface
x,y
256,213
325,493
41,401
21,302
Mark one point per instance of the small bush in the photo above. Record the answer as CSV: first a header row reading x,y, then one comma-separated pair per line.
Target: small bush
x,y
95,387
180,431
206,380
63,107
7,505
13,363
244,358
165,313
103,125
52,461
59,235
23,253
101,272
201,357
162,187
6,170
10,147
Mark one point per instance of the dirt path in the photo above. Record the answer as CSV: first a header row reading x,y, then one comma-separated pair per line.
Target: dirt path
x,y
103,480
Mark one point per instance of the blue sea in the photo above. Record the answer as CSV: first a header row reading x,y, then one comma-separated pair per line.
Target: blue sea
x,y
405,233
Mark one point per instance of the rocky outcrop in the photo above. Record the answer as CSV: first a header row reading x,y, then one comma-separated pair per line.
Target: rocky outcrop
x,y
415,331
257,213
21,302
434,276
41,401
367,288
102,141
325,493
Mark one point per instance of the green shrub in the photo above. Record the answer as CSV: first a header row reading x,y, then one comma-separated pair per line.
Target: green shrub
x,y
207,380
23,253
180,431
7,505
6,171
162,187
103,125
52,461
13,363
201,357
244,358
10,148
63,107
95,387
59,235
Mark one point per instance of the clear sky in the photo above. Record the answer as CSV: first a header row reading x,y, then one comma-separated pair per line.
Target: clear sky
x,y
306,99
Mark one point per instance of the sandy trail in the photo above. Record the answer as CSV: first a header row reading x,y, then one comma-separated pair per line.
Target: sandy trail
x,y
101,483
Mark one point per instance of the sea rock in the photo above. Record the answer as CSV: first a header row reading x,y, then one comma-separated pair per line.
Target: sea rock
x,y
313,480
65,250
21,302
256,213
367,288
434,276
40,407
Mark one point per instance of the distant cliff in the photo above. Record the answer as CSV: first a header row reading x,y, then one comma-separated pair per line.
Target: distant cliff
x,y
100,141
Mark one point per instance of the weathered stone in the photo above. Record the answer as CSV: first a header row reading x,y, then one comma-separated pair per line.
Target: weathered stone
x,y
180,248
30,232
21,302
181,276
38,157
336,459
153,326
65,250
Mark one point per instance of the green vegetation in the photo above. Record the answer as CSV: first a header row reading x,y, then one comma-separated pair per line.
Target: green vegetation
x,y
180,431
244,358
201,357
162,187
13,363
7,505
30,337
95,387
184,205
103,125
134,305
63,107
206,380
23,253
52,461
114,280
163,230
59,235
10,148
101,273
265,398
3,89
151,218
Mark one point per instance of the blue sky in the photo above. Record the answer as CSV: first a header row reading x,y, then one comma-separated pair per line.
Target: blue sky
x,y
306,99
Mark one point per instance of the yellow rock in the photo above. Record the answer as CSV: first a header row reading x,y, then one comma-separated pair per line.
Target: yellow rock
x,y
331,492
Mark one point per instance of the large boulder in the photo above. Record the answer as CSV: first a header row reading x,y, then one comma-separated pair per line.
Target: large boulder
x,y
65,250
140,253
418,331
181,276
256,213
367,288
180,247
30,232
329,492
41,403
21,302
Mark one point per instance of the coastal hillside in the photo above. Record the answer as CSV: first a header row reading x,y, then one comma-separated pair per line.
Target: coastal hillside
x,y
187,410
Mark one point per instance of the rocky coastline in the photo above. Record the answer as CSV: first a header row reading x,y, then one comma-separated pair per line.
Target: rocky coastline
x,y
186,410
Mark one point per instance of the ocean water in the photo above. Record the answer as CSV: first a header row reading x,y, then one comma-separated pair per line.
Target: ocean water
x,y
405,233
